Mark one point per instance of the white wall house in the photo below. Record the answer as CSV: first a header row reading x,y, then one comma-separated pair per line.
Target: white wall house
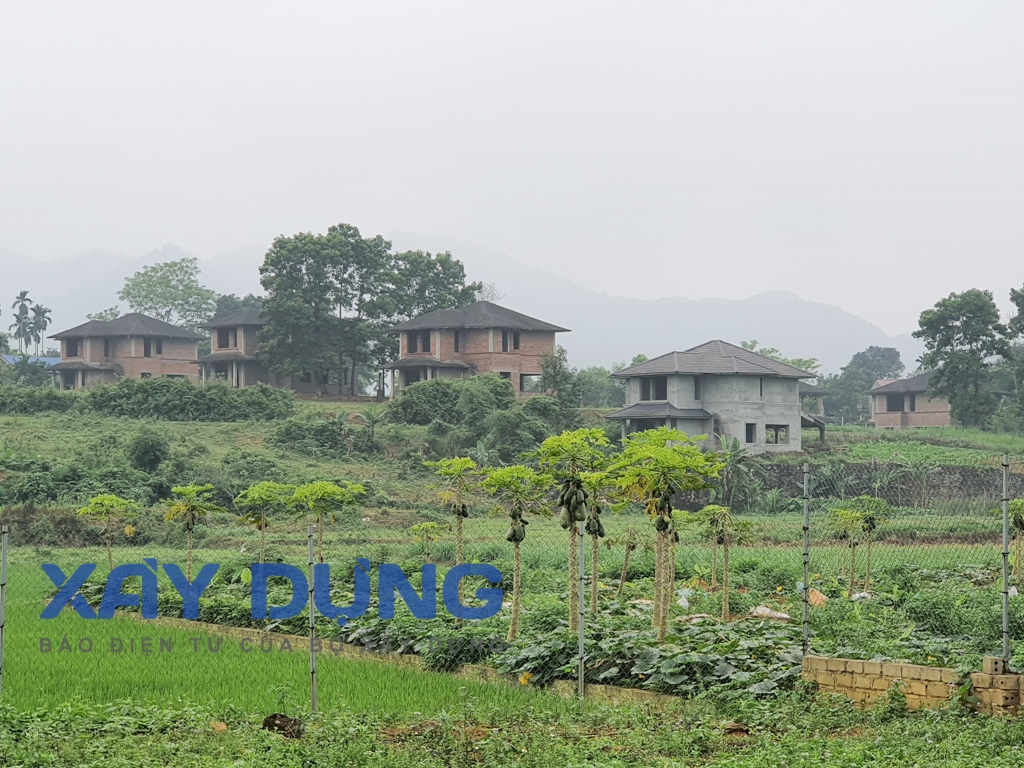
x,y
719,390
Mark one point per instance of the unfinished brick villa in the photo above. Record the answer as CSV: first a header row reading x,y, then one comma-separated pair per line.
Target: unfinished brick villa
x,y
135,346
480,338
904,403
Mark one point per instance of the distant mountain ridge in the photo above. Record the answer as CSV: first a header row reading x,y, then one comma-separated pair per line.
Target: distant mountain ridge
x,y
605,329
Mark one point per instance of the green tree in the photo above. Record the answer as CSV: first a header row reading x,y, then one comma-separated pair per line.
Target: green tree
x,y
322,499
599,390
847,398
148,449
191,503
259,503
111,512
229,303
521,489
426,534
962,334
654,466
171,292
564,384
567,456
105,315
809,364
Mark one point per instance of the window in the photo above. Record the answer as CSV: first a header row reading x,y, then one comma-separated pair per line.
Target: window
x,y
325,377
654,388
147,348
457,341
106,347
306,377
776,434
529,382
751,432
894,403
71,348
410,341
425,341
175,376
159,346
145,375
696,387
223,338
509,340
913,401
760,384
506,375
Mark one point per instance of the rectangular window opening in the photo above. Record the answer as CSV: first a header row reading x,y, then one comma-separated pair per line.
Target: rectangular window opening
x,y
71,347
515,339
145,375
504,341
751,432
696,388
529,382
894,403
760,384
106,347
425,341
159,346
223,338
776,434
147,347
654,388
411,339
457,342
913,401
506,375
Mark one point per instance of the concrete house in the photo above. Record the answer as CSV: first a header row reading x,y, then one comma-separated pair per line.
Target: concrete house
x,y
905,403
479,338
720,390
135,345
234,339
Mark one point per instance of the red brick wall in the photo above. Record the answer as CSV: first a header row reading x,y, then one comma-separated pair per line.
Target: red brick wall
x,y
927,413
177,358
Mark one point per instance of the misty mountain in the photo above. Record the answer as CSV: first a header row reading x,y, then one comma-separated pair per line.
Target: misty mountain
x,y
605,329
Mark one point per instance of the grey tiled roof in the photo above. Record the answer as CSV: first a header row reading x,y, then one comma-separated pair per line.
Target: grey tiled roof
x,y
809,390
482,314
81,365
134,324
427,362
714,357
658,410
245,316
917,383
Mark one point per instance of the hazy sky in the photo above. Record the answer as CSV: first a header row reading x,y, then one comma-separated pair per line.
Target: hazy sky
x,y
869,154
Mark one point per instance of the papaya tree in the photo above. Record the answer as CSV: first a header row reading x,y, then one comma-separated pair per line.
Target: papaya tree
x,y
723,528
567,456
847,523
596,484
456,479
190,504
856,516
324,500
654,466
520,489
426,534
629,541
111,512
259,503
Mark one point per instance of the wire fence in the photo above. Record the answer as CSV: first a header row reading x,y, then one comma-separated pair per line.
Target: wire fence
x,y
894,560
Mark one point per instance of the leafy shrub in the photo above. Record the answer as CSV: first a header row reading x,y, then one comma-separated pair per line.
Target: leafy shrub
x,y
148,449
312,435
25,400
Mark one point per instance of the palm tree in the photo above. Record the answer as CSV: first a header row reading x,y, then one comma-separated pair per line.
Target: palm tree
x,y
192,503
522,489
40,322
22,326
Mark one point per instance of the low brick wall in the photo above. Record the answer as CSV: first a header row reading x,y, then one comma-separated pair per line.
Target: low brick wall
x,y
925,687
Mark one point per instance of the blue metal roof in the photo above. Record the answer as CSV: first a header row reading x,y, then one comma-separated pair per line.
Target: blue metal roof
x,y
12,359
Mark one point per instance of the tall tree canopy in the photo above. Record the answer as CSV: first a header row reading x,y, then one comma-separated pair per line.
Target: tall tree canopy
x,y
847,398
963,335
332,298
809,364
171,292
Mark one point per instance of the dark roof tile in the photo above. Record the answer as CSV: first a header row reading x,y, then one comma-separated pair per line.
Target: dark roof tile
x,y
134,324
482,314
714,357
